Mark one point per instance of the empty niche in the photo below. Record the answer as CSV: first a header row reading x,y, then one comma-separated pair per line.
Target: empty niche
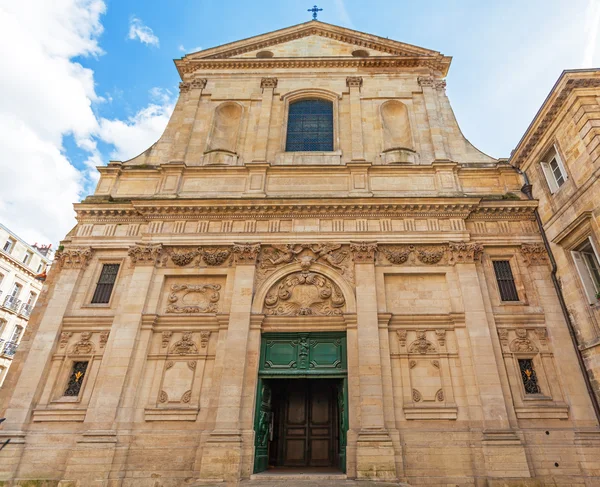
x,y
222,141
397,138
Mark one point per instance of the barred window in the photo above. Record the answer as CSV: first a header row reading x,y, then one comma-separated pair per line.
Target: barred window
x,y
529,377
105,284
506,281
310,126
76,378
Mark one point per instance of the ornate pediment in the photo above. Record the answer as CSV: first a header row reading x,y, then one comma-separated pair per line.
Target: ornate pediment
x,y
313,40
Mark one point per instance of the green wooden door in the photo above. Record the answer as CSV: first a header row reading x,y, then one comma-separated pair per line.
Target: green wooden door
x,y
299,355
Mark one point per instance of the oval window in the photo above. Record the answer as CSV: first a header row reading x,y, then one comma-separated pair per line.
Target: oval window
x,y
264,54
360,53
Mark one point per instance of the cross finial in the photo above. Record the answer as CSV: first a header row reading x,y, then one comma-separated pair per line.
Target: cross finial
x,y
314,11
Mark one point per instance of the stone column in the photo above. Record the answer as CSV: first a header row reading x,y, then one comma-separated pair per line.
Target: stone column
x,y
375,456
436,127
501,445
354,83
93,457
222,454
182,138
268,86
70,262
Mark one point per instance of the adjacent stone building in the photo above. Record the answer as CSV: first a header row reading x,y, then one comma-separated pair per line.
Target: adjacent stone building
x,y
311,268
20,263
560,153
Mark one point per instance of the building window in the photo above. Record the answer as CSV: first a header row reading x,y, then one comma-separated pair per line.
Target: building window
x,y
310,126
105,284
9,245
27,257
16,334
588,267
554,171
506,281
39,269
16,290
2,325
76,379
528,376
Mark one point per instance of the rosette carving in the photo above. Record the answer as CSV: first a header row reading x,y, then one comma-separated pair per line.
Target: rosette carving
x,y
305,293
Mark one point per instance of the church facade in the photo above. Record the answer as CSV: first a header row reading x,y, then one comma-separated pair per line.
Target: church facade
x,y
312,268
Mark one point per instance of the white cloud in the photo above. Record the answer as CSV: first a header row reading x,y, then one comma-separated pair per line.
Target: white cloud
x,y
193,49
132,136
343,14
592,23
138,30
46,96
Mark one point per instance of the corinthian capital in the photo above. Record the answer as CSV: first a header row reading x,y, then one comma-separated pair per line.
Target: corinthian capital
x,y
268,83
245,253
354,81
198,83
184,87
464,252
534,254
431,82
145,254
74,258
363,252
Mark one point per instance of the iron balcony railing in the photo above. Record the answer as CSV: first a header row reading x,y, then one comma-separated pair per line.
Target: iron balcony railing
x,y
11,302
26,309
8,348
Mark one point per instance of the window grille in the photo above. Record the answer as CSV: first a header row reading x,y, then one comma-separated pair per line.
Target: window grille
x,y
310,126
506,281
528,376
76,378
105,284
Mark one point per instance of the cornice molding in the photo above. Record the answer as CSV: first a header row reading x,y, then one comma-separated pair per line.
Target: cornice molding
x,y
19,265
547,116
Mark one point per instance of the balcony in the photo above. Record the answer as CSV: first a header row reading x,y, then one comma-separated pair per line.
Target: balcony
x,y
12,303
8,349
26,309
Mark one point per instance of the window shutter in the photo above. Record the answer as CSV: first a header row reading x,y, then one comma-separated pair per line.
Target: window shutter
x,y
549,177
584,275
561,166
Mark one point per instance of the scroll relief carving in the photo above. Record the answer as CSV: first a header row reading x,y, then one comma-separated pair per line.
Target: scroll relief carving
x,y
330,254
193,298
421,344
451,253
73,258
304,294
522,341
197,256
84,346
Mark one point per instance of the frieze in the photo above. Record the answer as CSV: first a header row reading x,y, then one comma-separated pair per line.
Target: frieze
x,y
73,258
534,254
183,257
449,253
145,254
193,298
304,293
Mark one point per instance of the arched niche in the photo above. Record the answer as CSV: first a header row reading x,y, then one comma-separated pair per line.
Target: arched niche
x,y
223,137
398,144
304,291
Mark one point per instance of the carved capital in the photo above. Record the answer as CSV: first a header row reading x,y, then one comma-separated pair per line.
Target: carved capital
x,y
145,254
354,81
462,252
431,82
245,253
184,87
74,258
363,252
268,83
534,254
198,84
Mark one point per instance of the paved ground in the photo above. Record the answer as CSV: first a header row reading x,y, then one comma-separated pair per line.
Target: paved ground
x,y
280,482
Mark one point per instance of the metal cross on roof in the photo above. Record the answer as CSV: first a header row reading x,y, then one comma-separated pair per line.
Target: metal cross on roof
x,y
314,11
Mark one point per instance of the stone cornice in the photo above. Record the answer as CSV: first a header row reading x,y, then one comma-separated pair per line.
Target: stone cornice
x,y
18,265
550,110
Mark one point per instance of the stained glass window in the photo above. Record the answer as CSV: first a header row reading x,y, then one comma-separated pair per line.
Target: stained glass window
x,y
76,378
528,376
310,126
105,284
506,281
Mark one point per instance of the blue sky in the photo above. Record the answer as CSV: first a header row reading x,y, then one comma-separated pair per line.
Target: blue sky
x,y
86,81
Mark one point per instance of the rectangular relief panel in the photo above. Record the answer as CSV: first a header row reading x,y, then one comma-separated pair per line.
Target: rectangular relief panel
x,y
417,293
303,354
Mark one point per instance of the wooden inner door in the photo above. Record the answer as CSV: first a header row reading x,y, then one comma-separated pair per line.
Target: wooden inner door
x,y
306,423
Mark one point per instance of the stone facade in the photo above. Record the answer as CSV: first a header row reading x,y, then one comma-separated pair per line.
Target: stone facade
x,y
221,236
567,126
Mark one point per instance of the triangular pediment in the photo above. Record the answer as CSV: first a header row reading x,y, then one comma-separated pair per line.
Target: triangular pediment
x,y
314,40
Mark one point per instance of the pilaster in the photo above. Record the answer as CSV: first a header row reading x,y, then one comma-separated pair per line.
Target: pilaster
x,y
268,86
429,86
222,455
375,455
182,137
354,83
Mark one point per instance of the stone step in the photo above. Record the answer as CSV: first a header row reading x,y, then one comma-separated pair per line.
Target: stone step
x,y
307,480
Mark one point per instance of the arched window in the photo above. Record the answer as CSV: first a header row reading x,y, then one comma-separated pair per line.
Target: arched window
x,y
310,126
